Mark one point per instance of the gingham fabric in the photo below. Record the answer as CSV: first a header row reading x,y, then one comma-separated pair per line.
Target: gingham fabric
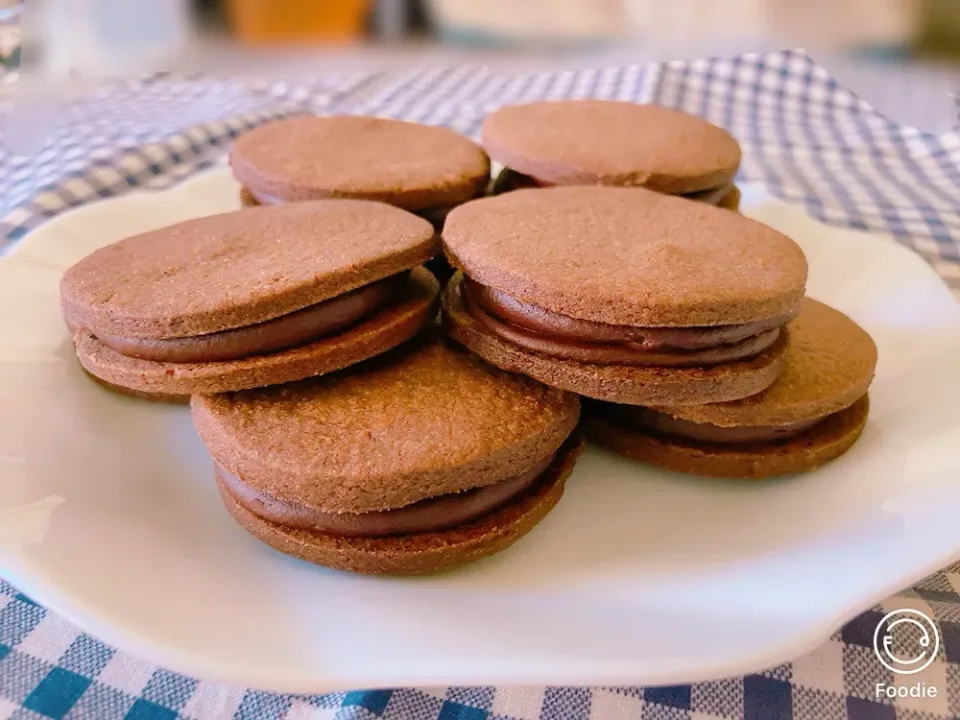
x,y
153,131
810,141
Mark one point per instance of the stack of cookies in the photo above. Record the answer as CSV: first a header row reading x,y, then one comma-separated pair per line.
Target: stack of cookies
x,y
684,326
248,299
615,144
349,428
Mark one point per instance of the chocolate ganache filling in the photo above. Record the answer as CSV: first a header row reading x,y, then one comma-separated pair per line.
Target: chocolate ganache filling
x,y
548,333
429,515
509,180
653,421
287,331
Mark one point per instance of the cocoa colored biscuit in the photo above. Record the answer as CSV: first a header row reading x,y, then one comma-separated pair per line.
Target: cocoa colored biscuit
x,y
419,553
411,312
626,256
241,268
425,420
412,166
615,383
824,442
603,142
828,365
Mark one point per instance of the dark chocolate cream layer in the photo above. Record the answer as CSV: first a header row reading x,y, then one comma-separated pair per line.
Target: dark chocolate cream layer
x,y
509,180
647,420
430,515
539,320
287,331
547,333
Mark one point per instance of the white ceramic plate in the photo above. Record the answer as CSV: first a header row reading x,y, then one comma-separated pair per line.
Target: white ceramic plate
x,y
110,517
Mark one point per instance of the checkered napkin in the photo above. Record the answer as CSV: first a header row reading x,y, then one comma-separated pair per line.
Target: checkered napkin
x,y
810,141
149,132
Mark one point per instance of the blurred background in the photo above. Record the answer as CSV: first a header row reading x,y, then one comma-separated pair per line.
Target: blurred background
x,y
102,38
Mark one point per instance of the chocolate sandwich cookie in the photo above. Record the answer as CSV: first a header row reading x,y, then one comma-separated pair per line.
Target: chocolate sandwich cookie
x,y
621,144
426,170
812,414
251,298
417,461
622,294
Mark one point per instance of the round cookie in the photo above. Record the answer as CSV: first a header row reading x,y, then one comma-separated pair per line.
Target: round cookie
x,y
260,296
426,423
622,294
813,413
605,142
415,167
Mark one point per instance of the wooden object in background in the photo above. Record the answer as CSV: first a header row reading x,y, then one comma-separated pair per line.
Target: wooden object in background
x,y
940,32
296,21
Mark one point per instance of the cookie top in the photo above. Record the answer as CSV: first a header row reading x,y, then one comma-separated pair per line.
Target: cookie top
x,y
604,142
412,166
626,256
240,268
424,420
828,366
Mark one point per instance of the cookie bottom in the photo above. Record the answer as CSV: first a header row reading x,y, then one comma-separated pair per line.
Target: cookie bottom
x,y
506,181
420,553
411,312
632,385
822,443
149,397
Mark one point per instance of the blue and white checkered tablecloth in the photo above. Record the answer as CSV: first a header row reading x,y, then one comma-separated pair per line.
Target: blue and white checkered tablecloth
x,y
809,140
